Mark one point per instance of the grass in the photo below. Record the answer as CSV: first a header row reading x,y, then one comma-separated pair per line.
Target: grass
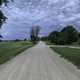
x,y
71,54
10,49
74,44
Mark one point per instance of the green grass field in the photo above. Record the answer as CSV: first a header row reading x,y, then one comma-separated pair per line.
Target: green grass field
x,y
10,49
71,54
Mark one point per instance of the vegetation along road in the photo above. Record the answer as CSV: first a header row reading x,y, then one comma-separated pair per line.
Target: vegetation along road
x,y
10,49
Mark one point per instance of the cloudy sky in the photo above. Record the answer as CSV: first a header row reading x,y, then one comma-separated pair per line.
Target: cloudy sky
x,y
49,14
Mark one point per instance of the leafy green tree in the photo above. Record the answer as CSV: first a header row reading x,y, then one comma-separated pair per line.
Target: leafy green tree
x,y
54,36
69,34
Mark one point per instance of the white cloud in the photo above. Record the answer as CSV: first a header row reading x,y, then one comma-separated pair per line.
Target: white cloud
x,y
43,12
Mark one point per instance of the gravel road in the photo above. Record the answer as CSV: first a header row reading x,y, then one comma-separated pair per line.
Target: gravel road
x,y
38,63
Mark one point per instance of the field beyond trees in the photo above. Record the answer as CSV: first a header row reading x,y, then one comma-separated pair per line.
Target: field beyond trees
x,y
10,49
72,54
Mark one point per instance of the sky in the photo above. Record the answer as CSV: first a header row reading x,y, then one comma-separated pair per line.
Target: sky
x,y
48,14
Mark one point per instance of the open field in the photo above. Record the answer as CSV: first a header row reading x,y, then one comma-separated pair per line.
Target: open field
x,y
10,49
72,54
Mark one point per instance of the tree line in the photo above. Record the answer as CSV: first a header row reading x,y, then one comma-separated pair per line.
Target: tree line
x,y
67,35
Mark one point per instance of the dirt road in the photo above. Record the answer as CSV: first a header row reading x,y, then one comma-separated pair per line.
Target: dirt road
x,y
38,63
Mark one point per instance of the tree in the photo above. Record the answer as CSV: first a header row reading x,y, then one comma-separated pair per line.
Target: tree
x,y
2,18
79,34
44,38
25,39
34,33
53,37
70,34
67,35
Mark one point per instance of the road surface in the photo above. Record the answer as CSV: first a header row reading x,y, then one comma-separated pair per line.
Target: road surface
x,y
38,63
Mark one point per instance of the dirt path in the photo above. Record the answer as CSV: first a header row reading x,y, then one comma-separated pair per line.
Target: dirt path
x,y
38,63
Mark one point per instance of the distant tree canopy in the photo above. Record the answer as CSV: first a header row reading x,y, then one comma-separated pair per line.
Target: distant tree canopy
x,y
34,33
67,35
53,37
70,34
44,38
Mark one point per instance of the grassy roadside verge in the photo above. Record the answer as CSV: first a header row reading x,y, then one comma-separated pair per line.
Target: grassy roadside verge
x,y
71,54
8,50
